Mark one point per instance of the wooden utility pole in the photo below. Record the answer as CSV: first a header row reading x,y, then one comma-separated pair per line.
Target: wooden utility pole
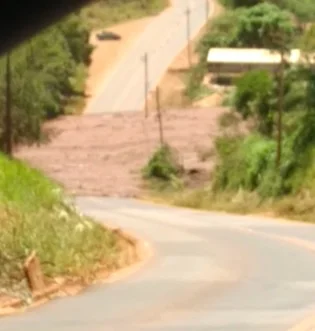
x,y
146,83
8,110
159,115
280,110
189,57
207,10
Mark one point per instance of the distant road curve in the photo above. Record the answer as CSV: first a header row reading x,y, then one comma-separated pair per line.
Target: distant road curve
x,y
163,39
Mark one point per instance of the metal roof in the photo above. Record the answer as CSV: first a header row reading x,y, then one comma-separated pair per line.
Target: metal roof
x,y
249,56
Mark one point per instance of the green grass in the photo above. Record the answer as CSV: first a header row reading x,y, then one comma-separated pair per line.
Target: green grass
x,y
35,216
299,207
103,14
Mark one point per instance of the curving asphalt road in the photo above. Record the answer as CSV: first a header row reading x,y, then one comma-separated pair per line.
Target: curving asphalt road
x,y
163,39
209,272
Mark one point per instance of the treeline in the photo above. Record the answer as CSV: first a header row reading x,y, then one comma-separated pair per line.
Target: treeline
x,y
45,73
276,160
303,10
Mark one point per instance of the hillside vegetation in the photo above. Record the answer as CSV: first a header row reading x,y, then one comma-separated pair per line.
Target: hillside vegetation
x,y
271,168
46,72
36,216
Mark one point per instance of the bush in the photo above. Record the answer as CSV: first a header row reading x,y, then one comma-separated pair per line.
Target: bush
x,y
163,165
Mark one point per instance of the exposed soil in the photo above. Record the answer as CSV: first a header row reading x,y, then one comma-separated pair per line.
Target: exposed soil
x,y
104,154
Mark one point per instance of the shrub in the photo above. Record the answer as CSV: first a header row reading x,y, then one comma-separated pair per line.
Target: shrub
x,y
163,165
249,163
194,88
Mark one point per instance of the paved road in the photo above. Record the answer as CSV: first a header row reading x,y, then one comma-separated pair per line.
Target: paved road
x,y
209,272
163,39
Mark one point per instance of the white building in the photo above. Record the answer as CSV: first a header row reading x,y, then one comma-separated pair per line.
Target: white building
x,y
237,60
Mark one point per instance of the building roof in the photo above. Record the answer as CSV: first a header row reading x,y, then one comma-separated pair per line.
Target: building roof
x,y
249,56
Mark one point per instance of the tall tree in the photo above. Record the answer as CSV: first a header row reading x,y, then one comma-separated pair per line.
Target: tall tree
x,y
267,26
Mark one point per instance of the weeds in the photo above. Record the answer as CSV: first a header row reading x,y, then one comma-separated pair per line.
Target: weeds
x,y
35,215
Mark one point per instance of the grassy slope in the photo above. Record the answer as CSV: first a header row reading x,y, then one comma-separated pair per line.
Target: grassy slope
x,y
102,14
35,216
299,207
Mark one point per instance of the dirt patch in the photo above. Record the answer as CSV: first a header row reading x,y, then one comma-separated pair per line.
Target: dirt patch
x,y
213,100
108,53
134,253
104,154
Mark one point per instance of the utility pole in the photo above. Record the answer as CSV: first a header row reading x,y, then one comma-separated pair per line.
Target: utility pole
x,y
280,109
207,10
8,110
146,83
189,57
159,115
